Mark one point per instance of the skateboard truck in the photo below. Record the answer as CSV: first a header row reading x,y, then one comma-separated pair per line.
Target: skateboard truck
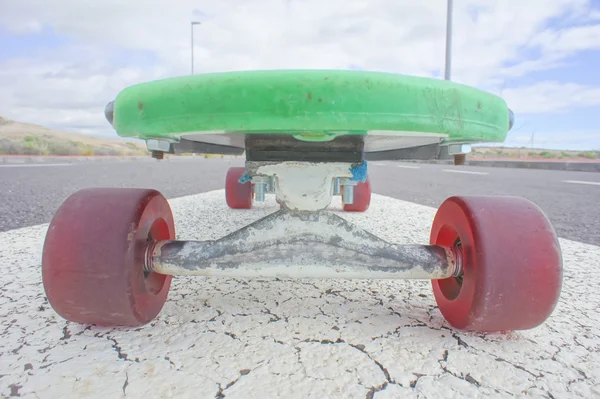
x,y
276,246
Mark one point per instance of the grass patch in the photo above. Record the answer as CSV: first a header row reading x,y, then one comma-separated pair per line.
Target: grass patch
x,y
588,154
46,145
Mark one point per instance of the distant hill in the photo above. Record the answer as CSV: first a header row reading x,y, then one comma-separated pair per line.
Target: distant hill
x,y
531,153
17,138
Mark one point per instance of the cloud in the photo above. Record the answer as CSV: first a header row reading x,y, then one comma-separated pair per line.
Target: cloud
x,y
67,89
568,41
579,140
547,97
115,44
403,36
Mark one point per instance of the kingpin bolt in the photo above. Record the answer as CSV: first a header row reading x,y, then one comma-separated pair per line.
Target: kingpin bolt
x,y
348,196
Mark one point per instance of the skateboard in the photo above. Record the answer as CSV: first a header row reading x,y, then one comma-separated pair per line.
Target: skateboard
x,y
110,253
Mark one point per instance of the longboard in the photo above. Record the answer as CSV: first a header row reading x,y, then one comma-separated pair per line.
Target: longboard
x,y
109,255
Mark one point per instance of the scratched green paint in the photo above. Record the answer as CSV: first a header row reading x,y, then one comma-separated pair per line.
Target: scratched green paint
x,y
310,104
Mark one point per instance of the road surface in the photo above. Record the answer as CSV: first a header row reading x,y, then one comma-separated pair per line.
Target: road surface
x,y
30,194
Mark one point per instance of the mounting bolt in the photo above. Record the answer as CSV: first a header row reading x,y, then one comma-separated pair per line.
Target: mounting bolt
x,y
336,186
270,188
158,155
158,148
348,196
459,159
259,191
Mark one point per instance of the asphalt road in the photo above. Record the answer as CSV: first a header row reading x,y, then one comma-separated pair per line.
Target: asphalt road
x,y
30,194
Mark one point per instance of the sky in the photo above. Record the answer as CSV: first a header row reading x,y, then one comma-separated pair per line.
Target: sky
x,y
61,61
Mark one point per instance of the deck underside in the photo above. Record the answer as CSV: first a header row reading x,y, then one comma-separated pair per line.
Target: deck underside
x,y
348,148
372,142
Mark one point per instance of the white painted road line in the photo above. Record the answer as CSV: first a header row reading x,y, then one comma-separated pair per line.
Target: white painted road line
x,y
409,166
593,183
465,171
31,165
243,338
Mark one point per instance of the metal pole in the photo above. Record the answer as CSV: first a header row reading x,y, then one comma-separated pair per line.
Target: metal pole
x,y
448,41
192,37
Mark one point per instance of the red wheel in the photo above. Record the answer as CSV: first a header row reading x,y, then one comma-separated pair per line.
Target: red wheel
x,y
362,197
94,255
511,263
238,195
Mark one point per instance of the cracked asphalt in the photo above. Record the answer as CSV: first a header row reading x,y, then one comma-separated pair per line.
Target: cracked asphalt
x,y
257,338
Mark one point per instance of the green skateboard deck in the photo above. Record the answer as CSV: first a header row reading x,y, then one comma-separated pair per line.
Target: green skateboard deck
x,y
390,110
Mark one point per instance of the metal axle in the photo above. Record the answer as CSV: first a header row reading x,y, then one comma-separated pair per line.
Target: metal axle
x,y
300,245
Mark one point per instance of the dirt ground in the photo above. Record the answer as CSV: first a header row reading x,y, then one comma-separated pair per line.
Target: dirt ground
x,y
532,153
17,138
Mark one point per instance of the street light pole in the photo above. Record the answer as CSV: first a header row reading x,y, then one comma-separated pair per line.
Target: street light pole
x,y
448,41
460,158
192,32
